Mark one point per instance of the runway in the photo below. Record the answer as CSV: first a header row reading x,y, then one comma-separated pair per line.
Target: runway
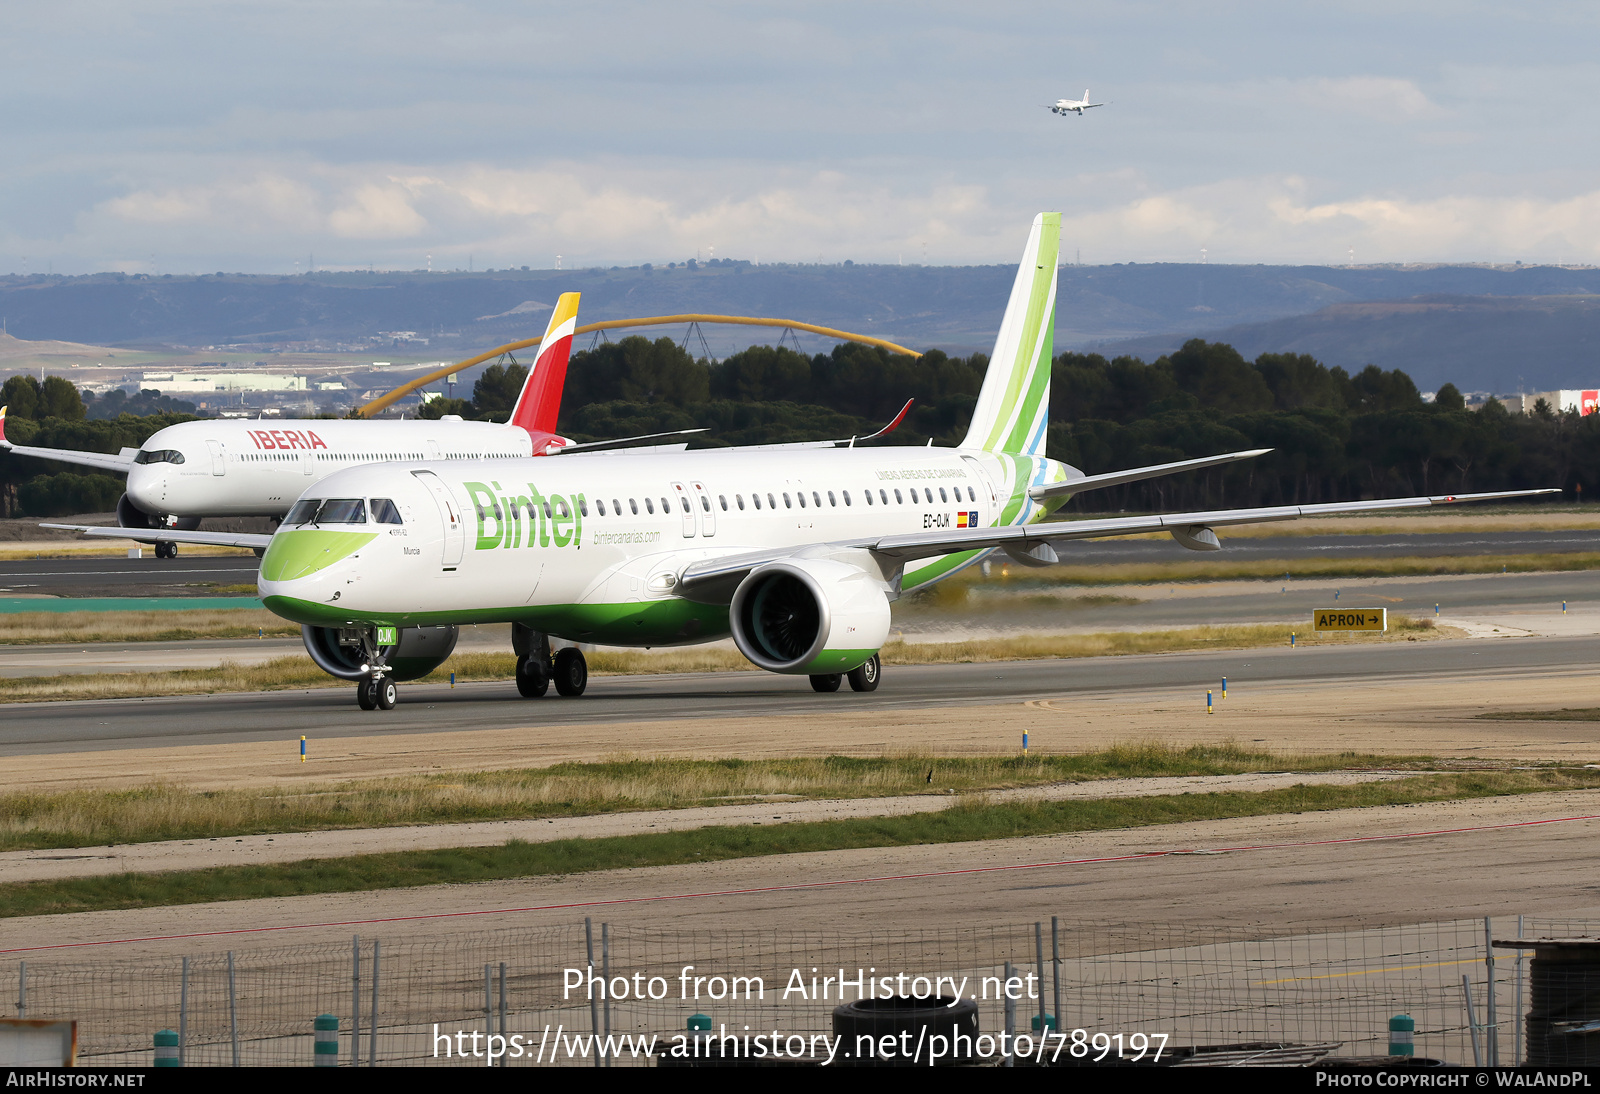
x,y
331,714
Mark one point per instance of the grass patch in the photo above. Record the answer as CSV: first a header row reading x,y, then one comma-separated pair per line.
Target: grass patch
x,y
298,672
1566,714
79,818
969,819
47,628
1145,573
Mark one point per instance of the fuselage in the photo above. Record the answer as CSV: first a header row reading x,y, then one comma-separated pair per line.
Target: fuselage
x,y
588,549
259,468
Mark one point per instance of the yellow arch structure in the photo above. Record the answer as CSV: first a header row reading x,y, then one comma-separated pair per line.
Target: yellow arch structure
x,y
384,401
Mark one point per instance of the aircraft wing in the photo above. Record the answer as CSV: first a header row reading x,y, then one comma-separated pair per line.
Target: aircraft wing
x,y
842,442
1137,474
105,461
626,442
713,580
170,535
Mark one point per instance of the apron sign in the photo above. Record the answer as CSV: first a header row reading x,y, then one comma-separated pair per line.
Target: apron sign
x,y
1350,619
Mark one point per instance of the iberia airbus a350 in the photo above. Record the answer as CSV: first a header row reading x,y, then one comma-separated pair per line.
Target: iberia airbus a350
x,y
797,554
232,468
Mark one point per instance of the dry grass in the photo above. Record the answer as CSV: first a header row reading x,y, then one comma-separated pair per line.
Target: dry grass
x,y
298,671
116,549
1159,573
38,628
165,811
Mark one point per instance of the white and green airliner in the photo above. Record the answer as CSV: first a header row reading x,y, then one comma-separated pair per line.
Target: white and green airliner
x,y
798,554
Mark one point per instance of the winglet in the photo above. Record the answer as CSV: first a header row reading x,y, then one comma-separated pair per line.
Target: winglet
x,y
892,426
540,403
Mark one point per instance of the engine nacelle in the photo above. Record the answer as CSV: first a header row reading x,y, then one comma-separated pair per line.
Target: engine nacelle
x,y
809,616
130,515
337,651
1197,537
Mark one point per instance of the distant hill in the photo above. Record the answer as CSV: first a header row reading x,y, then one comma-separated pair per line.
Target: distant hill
x,y
1478,343
953,308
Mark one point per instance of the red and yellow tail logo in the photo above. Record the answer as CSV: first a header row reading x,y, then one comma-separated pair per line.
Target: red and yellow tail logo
x,y
540,404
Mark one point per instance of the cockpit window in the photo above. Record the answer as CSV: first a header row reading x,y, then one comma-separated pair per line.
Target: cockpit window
x,y
330,511
159,455
384,512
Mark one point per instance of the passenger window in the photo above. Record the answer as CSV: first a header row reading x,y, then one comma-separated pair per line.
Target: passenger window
x,y
600,506
650,506
722,499
667,508
833,501
583,505
846,494
786,504
547,514
685,503
561,507
972,495
898,500
616,507
800,496
705,503
883,497
384,512
755,499
740,499
943,496
869,497
772,503
815,497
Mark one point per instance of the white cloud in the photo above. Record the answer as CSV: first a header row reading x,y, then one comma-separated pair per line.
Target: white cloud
x,y
1378,98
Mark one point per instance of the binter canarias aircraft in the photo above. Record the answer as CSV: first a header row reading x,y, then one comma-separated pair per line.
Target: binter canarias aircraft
x,y
233,468
798,554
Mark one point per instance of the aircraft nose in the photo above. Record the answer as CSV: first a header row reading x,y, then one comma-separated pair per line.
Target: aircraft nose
x,y
146,488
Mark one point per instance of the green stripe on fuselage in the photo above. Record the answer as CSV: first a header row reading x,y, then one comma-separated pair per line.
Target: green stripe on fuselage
x,y
643,623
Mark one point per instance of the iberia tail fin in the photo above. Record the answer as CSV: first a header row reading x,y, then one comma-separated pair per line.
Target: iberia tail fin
x,y
1013,406
540,403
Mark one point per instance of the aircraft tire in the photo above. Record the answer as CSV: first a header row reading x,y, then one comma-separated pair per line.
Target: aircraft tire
x,y
572,672
533,679
166,550
387,694
865,677
826,682
366,695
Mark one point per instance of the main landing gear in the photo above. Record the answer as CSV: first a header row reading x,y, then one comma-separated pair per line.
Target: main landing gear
x,y
537,669
166,550
864,678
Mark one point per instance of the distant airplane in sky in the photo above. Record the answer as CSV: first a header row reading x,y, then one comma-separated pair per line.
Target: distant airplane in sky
x,y
1074,106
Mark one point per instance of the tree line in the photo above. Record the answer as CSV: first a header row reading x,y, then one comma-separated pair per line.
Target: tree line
x,y
1334,435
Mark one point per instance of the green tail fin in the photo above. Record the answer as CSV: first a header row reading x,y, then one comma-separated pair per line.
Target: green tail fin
x,y
1013,407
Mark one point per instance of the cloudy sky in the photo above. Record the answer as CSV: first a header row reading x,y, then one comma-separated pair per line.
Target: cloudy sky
x,y
176,137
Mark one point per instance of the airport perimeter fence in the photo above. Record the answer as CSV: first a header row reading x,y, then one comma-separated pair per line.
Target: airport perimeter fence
x,y
403,1001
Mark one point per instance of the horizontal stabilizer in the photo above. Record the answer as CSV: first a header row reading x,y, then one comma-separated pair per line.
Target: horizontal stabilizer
x,y
1137,474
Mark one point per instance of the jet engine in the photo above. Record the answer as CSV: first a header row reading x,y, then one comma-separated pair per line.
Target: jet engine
x,y
130,515
338,651
809,616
